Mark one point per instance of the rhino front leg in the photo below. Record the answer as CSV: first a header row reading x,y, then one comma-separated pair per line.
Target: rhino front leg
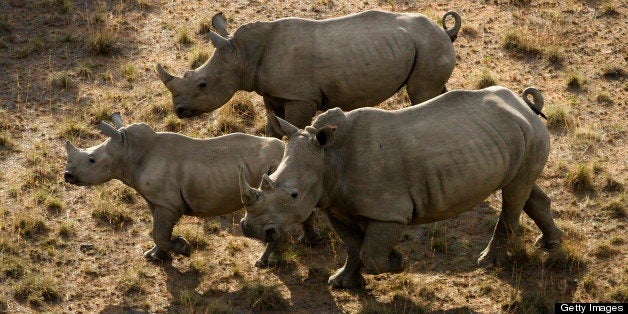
x,y
273,249
348,277
378,254
310,235
514,196
164,220
537,207
299,113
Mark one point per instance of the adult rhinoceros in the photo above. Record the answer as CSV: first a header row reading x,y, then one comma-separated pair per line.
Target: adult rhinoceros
x,y
301,65
376,171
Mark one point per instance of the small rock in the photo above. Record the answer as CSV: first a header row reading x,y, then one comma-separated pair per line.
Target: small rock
x,y
86,247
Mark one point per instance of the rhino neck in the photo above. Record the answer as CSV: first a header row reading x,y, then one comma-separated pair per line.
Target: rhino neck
x,y
138,144
250,41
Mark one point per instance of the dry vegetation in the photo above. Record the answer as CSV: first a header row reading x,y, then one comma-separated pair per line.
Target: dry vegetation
x,y
65,65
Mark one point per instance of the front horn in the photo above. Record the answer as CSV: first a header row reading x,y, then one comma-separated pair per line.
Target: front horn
x,y
163,74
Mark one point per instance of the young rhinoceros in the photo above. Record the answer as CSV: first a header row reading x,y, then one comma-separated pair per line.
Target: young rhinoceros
x,y
300,66
376,171
177,175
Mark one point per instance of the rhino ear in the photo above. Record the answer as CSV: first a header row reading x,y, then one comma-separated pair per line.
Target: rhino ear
x,y
219,24
222,44
69,148
325,135
116,118
248,194
110,131
267,183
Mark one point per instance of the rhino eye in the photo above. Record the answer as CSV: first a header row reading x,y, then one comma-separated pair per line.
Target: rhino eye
x,y
294,195
202,85
91,160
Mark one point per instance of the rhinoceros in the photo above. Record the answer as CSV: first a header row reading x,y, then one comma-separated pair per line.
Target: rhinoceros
x,y
374,172
300,66
176,175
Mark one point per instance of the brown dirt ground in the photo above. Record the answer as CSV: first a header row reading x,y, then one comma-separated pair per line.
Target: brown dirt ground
x,y
52,87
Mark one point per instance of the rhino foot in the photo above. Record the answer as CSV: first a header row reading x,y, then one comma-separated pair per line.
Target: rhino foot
x,y
346,280
157,255
311,238
490,258
181,246
550,243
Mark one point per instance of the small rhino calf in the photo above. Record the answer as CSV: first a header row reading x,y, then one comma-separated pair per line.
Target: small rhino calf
x,y
176,174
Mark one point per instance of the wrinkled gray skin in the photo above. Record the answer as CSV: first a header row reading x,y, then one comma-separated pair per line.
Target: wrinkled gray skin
x,y
376,171
177,175
300,66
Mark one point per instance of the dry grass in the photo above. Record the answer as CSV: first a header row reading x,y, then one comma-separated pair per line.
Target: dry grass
x,y
575,80
580,180
102,55
184,37
485,79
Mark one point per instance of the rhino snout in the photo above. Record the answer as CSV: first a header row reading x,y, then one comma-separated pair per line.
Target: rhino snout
x,y
186,112
69,177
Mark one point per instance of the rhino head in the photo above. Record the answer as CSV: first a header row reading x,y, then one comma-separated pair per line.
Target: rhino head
x,y
212,84
97,164
289,195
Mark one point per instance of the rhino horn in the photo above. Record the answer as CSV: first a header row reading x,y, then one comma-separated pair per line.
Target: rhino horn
x,y
163,74
248,194
110,131
221,43
116,119
286,127
267,183
219,23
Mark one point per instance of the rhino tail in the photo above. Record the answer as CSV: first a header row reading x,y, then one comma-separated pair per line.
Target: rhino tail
x,y
452,32
537,104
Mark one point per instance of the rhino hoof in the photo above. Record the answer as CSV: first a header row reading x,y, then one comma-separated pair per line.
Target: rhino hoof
x,y
342,280
261,263
551,243
181,246
157,255
492,259
311,239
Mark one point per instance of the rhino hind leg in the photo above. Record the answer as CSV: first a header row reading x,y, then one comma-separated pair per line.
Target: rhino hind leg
x,y
537,207
514,196
348,276
378,254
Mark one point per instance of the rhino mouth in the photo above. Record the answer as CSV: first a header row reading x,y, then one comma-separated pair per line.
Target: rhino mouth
x,y
187,113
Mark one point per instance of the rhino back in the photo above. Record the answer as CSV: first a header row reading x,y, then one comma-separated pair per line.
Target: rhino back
x,y
351,61
202,175
432,161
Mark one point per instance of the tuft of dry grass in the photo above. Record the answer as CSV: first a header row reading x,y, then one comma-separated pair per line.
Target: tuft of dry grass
x,y
485,79
183,37
102,33
33,45
198,55
110,214
238,114
619,293
67,229
608,9
29,225
73,129
613,73
559,116
37,289
173,124
5,24
612,185
565,258
12,267
554,55
6,144
616,207
605,99
63,6
129,72
62,80
604,251
205,25
580,180
469,31
530,301
259,297
132,282
521,43
193,233
575,80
